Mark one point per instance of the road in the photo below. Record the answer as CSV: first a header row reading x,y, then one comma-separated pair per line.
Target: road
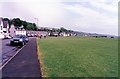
x,y
25,64
7,50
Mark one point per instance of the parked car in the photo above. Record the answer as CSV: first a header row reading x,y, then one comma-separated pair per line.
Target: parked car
x,y
32,35
35,35
7,37
29,35
19,40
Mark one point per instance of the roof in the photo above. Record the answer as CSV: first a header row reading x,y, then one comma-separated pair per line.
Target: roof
x,y
5,23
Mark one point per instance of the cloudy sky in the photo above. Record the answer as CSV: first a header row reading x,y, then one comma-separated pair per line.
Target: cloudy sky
x,y
95,16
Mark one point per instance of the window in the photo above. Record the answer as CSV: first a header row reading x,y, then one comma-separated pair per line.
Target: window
x,y
5,31
1,27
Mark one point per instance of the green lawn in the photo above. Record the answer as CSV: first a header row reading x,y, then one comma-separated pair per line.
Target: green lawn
x,y
79,57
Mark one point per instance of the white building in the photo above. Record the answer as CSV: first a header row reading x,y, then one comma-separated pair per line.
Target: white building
x,y
17,31
12,31
4,28
20,32
1,28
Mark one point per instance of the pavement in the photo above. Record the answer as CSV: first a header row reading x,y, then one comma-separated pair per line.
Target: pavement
x,y
25,64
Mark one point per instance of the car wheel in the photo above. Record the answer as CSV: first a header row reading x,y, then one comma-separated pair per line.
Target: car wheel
x,y
23,44
11,44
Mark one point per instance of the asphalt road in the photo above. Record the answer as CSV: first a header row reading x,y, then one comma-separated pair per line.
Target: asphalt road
x,y
6,46
25,64
7,50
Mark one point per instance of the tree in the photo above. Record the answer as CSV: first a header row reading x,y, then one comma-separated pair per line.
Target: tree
x,y
31,26
63,29
9,21
34,27
53,30
24,23
17,22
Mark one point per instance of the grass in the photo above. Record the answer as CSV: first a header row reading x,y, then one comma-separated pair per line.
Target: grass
x,y
79,57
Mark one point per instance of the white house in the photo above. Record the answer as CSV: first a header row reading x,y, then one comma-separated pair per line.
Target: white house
x,y
4,28
12,30
20,32
1,28
1,25
64,34
17,31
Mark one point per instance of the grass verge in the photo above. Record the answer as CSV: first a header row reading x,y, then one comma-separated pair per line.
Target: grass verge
x,y
41,58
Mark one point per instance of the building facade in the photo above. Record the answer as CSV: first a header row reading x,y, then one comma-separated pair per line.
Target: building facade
x,y
4,28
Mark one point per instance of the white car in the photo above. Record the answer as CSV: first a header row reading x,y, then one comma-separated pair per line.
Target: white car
x,y
7,37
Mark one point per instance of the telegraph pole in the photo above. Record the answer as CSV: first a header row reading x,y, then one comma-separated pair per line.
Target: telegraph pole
x,y
37,21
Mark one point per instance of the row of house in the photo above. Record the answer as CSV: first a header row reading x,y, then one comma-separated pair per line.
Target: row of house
x,y
10,30
45,33
62,34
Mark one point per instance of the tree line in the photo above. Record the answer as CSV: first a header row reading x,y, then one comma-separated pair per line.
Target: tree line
x,y
62,29
17,22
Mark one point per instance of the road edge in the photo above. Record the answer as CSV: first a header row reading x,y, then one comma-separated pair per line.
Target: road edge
x,y
40,58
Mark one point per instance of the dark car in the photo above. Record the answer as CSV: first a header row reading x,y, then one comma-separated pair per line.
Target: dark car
x,y
19,40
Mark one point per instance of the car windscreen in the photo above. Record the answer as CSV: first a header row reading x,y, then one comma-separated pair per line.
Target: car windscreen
x,y
18,36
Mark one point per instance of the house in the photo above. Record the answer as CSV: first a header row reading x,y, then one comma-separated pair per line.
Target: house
x,y
54,34
1,28
43,33
4,28
1,25
17,31
37,33
12,30
67,34
20,31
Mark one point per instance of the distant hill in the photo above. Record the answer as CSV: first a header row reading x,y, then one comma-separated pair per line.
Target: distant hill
x,y
93,34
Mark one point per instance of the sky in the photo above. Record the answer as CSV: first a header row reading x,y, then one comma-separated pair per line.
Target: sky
x,y
92,16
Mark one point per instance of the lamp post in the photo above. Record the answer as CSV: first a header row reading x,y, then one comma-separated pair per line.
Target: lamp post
x,y
37,21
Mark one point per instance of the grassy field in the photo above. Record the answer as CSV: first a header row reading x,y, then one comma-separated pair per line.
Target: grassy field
x,y
79,57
